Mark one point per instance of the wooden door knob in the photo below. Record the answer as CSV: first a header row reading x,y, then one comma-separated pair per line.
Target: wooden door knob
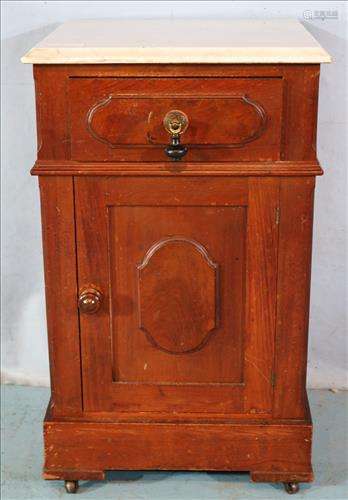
x,y
89,300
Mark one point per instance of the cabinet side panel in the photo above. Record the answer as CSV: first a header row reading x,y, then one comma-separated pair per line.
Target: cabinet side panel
x,y
58,232
295,242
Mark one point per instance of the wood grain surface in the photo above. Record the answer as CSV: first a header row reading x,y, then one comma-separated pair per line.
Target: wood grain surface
x,y
196,356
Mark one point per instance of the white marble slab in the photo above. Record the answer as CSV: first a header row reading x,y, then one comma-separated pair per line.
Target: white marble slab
x,y
178,41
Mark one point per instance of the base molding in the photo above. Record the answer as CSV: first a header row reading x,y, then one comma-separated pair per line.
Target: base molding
x,y
74,475
272,452
282,477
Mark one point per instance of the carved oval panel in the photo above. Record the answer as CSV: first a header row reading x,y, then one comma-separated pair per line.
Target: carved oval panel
x,y
232,121
177,295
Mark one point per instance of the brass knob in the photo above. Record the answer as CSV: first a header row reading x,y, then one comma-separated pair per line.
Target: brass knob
x,y
175,122
89,300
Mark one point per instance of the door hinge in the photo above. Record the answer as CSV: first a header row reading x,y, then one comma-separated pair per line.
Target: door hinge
x,y
277,215
273,379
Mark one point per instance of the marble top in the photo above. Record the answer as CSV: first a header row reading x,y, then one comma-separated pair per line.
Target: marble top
x,y
178,41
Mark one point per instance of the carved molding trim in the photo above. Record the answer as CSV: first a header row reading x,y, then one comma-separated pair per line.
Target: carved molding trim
x,y
214,266
92,111
172,239
246,168
258,108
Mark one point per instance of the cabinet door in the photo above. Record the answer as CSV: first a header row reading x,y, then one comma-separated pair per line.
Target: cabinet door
x,y
186,268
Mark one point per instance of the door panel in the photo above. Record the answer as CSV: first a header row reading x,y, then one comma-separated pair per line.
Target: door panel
x,y
187,268
177,268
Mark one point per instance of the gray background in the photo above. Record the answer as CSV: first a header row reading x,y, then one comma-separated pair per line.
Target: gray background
x,y
24,345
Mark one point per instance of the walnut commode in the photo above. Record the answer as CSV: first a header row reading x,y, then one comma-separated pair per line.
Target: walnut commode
x,y
177,179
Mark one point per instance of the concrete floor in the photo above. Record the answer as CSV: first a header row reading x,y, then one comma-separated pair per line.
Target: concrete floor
x,y
23,409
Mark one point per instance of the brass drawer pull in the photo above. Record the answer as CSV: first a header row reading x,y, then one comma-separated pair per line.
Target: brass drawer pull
x,y
175,122
89,300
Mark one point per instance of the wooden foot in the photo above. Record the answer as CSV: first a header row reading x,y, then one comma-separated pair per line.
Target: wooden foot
x,y
71,486
291,488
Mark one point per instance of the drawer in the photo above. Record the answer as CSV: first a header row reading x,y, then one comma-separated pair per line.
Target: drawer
x,y
121,119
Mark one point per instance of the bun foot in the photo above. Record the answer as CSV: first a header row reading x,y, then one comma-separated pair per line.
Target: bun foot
x,y
291,488
71,486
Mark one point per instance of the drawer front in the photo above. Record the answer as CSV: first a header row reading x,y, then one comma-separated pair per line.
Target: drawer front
x,y
121,119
